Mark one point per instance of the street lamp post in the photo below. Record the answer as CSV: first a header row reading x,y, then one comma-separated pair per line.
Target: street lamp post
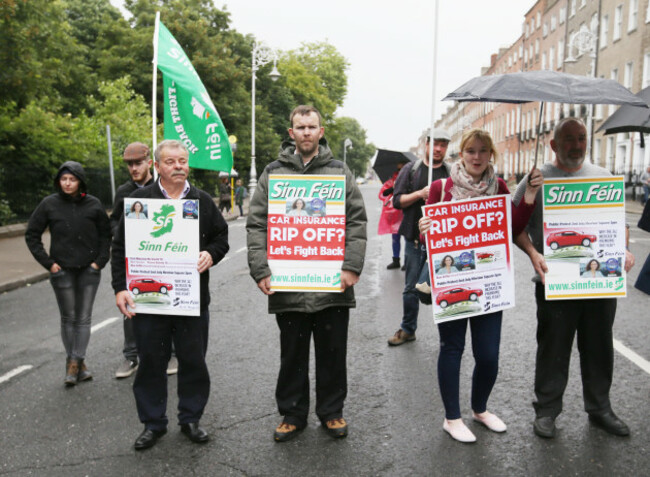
x,y
346,144
262,55
585,42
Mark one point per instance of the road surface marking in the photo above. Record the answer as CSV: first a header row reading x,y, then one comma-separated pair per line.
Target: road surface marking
x,y
15,372
225,259
104,323
632,356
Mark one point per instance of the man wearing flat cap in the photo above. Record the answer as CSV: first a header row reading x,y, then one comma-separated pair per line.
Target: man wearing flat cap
x,y
137,157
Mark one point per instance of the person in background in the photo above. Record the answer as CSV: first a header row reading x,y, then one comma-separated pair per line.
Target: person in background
x,y
240,194
80,238
391,218
411,190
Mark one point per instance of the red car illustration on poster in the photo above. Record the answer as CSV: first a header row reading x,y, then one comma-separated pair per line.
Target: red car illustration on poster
x,y
455,295
146,285
484,256
569,238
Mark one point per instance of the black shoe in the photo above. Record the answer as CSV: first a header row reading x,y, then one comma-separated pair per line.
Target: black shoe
x,y
403,268
285,432
544,426
148,438
336,428
610,423
394,265
195,433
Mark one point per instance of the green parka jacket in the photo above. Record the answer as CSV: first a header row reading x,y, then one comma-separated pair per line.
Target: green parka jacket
x,y
355,229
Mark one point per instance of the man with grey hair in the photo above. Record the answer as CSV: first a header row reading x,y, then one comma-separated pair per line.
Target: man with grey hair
x,y
410,194
155,333
559,321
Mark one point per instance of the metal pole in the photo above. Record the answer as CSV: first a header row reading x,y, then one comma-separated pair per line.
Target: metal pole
x,y
154,94
110,162
252,184
433,89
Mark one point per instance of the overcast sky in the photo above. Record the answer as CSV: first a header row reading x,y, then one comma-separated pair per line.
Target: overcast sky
x,y
389,46
390,49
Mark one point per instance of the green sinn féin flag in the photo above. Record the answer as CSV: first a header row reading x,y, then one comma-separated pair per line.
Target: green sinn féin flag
x,y
190,115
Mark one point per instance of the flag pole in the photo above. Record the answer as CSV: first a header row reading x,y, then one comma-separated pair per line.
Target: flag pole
x,y
433,92
154,94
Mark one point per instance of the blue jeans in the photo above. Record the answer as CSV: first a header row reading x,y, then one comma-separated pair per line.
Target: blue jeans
x,y
415,256
486,337
75,290
396,245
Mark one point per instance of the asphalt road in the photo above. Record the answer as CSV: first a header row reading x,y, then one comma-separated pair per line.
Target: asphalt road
x,y
393,408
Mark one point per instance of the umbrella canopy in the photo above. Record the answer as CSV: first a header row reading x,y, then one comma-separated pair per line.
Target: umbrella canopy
x,y
544,85
385,162
629,118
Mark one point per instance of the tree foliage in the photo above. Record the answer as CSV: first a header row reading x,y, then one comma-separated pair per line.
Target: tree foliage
x,y
70,67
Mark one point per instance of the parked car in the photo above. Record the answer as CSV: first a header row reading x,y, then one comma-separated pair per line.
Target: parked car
x,y
147,285
455,295
569,238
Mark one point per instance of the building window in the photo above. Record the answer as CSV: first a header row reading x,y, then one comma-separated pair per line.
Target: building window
x,y
562,15
604,30
647,14
618,23
553,23
545,29
583,3
544,60
572,12
539,19
627,76
646,71
632,15
551,58
560,52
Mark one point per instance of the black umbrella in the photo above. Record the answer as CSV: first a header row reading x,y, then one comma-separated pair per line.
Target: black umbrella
x,y
630,118
386,161
544,85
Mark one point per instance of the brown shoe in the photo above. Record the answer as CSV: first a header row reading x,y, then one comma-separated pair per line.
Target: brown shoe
x,y
337,428
400,337
71,372
84,374
285,432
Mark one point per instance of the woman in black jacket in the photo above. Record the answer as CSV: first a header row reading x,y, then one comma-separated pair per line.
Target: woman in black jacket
x,y
80,237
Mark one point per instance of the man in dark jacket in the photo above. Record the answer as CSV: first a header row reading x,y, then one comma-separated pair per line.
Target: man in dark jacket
x,y
155,333
410,194
138,160
299,314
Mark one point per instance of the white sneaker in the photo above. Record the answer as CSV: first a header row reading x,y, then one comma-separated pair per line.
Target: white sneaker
x,y
490,421
458,430
423,288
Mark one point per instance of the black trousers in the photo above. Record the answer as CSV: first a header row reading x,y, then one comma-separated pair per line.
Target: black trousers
x,y
154,335
557,324
330,330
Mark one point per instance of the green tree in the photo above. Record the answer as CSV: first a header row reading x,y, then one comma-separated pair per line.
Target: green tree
x,y
40,57
359,155
34,142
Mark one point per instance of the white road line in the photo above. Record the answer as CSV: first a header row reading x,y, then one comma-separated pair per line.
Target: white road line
x,y
225,259
632,356
104,323
15,372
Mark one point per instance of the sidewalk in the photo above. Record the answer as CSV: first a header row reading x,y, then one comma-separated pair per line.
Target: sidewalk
x,y
17,266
